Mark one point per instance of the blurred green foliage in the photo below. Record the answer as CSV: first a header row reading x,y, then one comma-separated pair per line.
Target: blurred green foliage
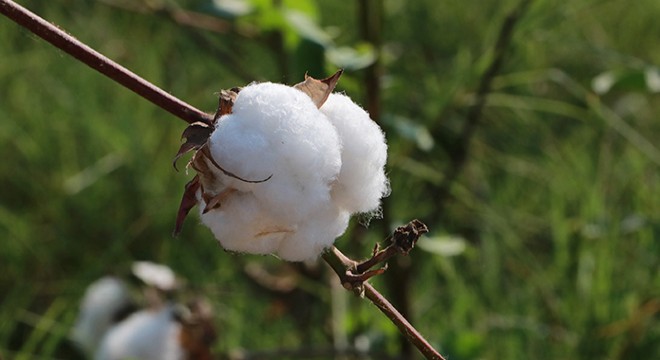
x,y
547,246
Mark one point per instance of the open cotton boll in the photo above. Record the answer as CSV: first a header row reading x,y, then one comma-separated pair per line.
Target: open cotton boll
x,y
145,335
103,299
362,181
318,167
277,130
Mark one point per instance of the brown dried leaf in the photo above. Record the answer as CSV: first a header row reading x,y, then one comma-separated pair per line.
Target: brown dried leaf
x,y
214,202
226,102
196,135
206,177
319,90
188,201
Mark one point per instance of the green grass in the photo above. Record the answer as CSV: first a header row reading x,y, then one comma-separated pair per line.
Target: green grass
x,y
558,206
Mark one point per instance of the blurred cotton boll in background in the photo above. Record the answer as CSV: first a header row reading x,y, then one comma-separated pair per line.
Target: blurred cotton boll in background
x,y
287,166
103,300
145,335
116,323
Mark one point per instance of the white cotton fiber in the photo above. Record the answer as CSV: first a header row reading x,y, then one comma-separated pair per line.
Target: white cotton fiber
x,y
145,335
277,130
362,181
243,224
315,234
102,300
323,165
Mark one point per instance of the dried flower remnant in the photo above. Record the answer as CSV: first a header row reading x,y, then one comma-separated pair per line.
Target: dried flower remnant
x,y
281,169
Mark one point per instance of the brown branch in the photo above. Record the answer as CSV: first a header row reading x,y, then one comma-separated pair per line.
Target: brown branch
x,y
402,323
100,63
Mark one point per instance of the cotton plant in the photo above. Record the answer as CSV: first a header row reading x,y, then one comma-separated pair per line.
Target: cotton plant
x,y
282,168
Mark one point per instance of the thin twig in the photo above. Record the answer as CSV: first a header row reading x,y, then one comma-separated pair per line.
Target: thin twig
x,y
402,240
100,63
402,323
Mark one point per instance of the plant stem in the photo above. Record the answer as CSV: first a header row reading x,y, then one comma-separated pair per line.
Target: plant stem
x,y
100,63
402,323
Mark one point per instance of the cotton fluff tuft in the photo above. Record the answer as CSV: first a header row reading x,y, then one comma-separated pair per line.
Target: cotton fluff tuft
x,y
323,165
244,224
277,130
362,181
102,300
145,335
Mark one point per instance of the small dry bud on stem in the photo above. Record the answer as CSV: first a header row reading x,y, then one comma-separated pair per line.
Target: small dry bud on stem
x,y
354,276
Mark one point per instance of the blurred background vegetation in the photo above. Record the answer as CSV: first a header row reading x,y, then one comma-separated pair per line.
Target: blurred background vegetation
x,y
544,212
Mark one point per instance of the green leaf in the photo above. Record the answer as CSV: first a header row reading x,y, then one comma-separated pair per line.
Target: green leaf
x,y
443,245
307,28
352,58
410,130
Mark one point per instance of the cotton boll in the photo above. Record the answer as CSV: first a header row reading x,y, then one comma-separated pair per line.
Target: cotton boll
x,y
243,224
103,299
145,335
321,165
315,234
277,130
362,181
